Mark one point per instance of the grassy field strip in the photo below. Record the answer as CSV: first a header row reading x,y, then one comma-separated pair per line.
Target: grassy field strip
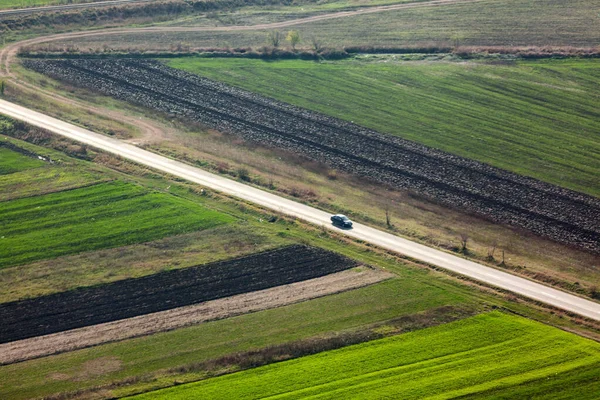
x,y
99,216
8,4
39,181
468,357
166,290
11,162
535,118
482,23
189,315
110,265
415,292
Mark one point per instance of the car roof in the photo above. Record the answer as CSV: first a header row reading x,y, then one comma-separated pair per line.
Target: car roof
x,y
341,216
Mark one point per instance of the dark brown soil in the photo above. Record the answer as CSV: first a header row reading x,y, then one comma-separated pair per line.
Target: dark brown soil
x,y
164,291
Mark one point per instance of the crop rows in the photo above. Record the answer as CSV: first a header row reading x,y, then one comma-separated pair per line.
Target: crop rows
x,y
486,356
547,210
164,291
12,161
89,218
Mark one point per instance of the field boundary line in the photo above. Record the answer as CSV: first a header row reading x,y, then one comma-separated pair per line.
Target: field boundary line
x,y
162,321
456,264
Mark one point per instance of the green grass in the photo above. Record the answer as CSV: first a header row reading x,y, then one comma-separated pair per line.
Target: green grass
x,y
38,3
534,118
11,162
38,181
490,353
415,291
100,216
109,265
482,23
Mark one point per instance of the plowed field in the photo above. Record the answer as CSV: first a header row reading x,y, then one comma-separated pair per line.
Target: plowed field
x,y
165,291
562,215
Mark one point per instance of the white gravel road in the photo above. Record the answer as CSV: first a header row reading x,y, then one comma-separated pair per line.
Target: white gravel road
x,y
315,216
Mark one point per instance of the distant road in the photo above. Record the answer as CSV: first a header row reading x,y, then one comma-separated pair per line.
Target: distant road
x,y
33,10
274,202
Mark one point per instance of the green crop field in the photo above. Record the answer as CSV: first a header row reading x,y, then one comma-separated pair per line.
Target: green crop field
x,y
481,23
11,161
490,355
49,178
39,3
103,215
153,355
539,119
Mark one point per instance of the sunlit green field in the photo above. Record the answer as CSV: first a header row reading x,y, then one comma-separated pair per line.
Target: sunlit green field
x,y
99,216
490,355
539,119
37,3
11,161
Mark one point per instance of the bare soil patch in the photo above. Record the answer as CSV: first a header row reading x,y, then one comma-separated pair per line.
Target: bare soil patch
x,y
166,290
189,315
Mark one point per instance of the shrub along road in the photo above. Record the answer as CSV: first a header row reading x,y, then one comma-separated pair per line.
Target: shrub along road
x,y
312,215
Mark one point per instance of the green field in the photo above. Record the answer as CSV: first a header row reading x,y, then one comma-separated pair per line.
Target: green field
x,y
49,178
539,119
483,23
100,216
480,23
38,3
414,292
11,161
490,355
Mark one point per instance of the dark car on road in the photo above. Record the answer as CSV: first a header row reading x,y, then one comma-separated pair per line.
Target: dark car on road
x,y
341,221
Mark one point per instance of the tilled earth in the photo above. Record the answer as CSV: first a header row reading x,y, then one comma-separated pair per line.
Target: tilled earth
x,y
547,210
180,317
165,291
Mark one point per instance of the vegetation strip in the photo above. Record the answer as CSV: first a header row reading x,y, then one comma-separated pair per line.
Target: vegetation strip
x,y
547,210
189,315
12,161
415,292
164,291
90,218
492,352
494,110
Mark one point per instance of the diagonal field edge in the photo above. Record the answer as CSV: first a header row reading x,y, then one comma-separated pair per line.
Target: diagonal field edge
x,y
176,318
479,272
165,290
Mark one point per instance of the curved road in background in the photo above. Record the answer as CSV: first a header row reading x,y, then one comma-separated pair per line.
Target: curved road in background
x,y
65,7
379,238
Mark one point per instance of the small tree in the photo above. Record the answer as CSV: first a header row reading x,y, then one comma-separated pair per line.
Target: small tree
x,y
388,217
316,44
274,38
294,38
464,238
491,251
456,38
